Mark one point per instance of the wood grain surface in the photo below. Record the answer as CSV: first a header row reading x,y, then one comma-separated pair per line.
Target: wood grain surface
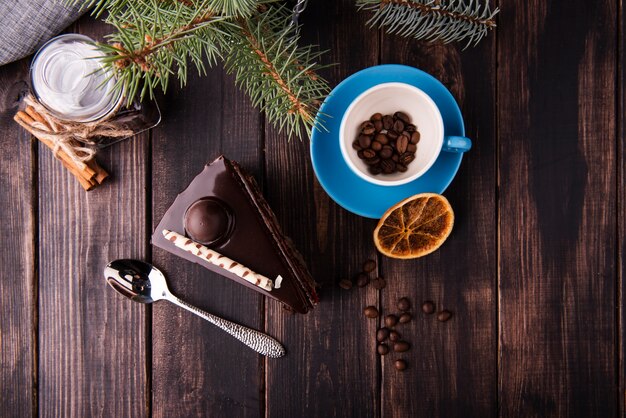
x,y
198,370
92,342
332,365
452,366
533,270
556,119
18,253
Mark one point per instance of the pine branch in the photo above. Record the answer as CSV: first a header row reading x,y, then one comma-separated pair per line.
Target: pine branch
x,y
155,40
279,76
445,20
219,7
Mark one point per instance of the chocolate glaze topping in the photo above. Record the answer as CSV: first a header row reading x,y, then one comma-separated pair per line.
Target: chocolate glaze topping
x,y
251,237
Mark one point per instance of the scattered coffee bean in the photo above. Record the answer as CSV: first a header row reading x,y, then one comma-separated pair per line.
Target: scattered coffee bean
x,y
382,334
404,304
379,283
444,315
362,280
391,320
387,143
400,365
404,318
369,266
394,336
371,312
401,346
382,349
345,284
428,307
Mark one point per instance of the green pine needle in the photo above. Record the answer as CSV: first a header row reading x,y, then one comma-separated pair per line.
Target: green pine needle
x,y
279,76
444,20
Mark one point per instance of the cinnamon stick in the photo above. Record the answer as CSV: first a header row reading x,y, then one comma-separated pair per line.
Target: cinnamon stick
x,y
89,175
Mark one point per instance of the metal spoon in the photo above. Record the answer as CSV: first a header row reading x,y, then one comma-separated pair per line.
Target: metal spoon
x,y
145,283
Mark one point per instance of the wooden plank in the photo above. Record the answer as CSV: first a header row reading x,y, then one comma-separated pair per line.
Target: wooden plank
x,y
621,210
331,368
92,341
452,366
18,287
198,369
556,117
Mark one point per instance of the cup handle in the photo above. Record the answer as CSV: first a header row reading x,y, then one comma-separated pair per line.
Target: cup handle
x,y
456,144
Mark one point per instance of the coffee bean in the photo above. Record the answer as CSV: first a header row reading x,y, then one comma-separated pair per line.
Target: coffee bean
x,y
378,125
407,158
379,283
367,128
376,146
410,128
356,145
369,153
386,152
382,349
400,365
392,135
401,143
387,122
362,280
428,307
360,154
404,318
371,312
412,148
391,320
398,126
402,116
404,304
395,158
345,284
376,116
375,169
382,138
415,137
401,346
369,266
382,334
394,336
444,315
388,166
372,161
365,141
401,168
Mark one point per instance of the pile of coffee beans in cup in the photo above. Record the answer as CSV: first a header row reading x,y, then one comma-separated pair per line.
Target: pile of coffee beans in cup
x,y
387,143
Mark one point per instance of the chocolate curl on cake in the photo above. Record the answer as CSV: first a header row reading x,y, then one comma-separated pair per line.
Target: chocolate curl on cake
x,y
218,259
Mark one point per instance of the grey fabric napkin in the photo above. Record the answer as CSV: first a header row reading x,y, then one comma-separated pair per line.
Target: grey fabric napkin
x,y
25,25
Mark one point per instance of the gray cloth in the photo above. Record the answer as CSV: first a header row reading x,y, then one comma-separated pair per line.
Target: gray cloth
x,y
25,25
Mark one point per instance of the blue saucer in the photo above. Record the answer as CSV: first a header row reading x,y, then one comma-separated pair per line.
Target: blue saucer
x,y
349,190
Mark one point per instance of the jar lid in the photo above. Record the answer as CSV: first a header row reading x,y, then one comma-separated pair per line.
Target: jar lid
x,y
70,79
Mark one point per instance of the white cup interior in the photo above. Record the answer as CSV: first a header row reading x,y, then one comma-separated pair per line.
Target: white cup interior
x,y
388,98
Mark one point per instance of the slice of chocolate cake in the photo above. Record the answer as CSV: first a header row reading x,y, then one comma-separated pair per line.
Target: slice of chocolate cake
x,y
223,222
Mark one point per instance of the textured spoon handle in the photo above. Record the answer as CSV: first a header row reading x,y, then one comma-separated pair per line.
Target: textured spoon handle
x,y
259,342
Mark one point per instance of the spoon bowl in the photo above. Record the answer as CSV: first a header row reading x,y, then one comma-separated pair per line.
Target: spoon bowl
x,y
145,283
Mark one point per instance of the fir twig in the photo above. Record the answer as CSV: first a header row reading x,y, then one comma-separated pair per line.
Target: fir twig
x,y
445,20
279,76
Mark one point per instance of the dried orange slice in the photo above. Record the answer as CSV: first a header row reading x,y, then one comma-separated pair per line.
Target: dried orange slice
x,y
414,227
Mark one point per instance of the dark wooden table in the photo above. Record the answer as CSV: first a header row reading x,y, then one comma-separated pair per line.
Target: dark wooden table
x,y
533,270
